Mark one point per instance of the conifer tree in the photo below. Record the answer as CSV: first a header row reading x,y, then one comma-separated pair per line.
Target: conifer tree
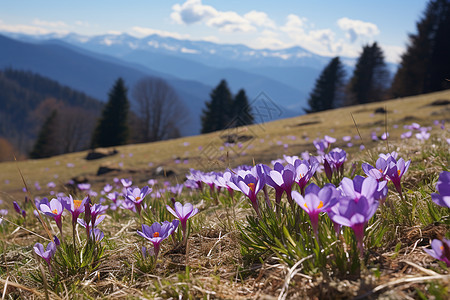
x,y
45,145
242,112
112,127
328,91
217,114
370,78
425,65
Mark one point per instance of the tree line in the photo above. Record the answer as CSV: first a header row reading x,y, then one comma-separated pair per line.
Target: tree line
x,y
424,67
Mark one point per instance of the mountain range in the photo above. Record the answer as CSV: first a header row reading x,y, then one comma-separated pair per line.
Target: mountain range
x,y
193,68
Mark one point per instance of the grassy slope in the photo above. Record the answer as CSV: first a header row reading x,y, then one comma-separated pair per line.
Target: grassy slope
x,y
265,145
214,257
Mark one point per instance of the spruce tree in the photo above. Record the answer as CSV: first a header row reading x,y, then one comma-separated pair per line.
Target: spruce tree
x,y
327,92
370,78
242,112
217,114
45,145
112,127
425,65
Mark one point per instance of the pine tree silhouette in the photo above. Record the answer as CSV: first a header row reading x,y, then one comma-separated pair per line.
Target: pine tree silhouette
x,y
217,114
45,143
425,66
370,78
112,127
328,90
242,112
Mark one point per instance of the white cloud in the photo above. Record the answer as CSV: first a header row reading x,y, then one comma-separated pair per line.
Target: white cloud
x,y
56,24
229,21
392,53
356,28
260,19
143,31
192,11
20,28
210,38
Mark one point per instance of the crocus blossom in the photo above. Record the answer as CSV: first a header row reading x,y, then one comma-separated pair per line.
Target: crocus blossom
x,y
47,253
157,233
281,178
440,250
354,214
53,209
250,183
443,187
315,201
75,207
183,213
137,195
395,171
304,171
334,162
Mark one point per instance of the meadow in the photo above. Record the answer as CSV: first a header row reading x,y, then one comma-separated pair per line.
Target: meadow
x,y
304,207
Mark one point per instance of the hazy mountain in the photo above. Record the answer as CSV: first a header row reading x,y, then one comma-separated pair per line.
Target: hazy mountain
x,y
93,75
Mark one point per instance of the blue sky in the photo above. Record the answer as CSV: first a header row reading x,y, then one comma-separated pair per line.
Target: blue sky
x,y
325,27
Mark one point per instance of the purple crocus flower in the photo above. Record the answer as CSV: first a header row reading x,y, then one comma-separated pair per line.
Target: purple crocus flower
x,y
334,162
440,250
97,234
304,171
176,189
354,214
395,171
281,178
224,181
315,201
183,213
443,187
47,253
53,209
75,207
84,186
157,233
249,184
379,171
113,196
96,210
17,207
137,195
363,187
126,182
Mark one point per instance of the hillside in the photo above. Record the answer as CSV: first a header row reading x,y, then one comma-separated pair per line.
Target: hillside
x,y
264,142
232,235
26,99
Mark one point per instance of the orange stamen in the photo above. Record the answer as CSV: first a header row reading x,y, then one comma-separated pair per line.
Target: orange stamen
x,y
156,234
251,186
55,211
138,198
77,203
320,205
398,172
